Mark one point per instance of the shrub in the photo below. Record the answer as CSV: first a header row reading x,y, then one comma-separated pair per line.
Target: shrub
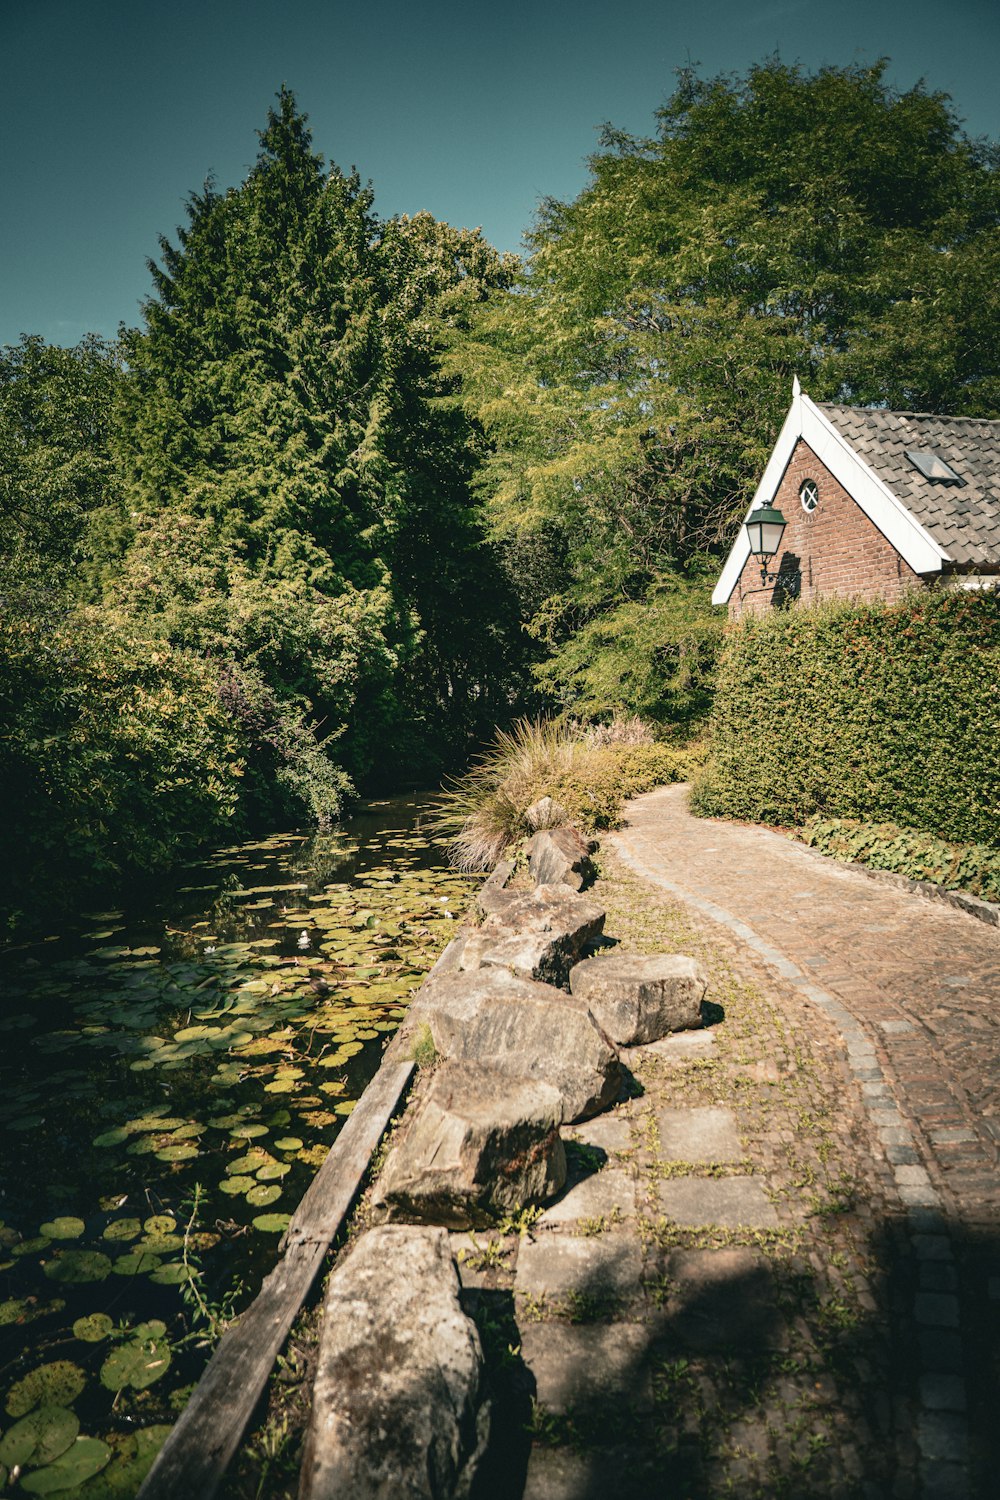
x,y
906,851
862,710
592,773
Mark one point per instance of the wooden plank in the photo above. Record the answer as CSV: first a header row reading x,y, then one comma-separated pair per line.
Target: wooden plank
x,y
195,1456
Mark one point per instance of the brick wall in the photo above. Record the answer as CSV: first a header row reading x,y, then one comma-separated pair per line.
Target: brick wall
x,y
836,547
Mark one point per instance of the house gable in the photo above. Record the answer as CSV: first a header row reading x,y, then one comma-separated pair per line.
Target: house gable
x,y
918,553
833,549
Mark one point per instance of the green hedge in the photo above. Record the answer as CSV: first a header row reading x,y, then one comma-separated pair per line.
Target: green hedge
x,y
871,711
919,856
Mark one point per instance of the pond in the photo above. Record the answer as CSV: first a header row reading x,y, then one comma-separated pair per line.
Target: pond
x,y
171,1078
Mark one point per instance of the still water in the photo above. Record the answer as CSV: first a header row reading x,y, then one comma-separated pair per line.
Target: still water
x,y
171,1078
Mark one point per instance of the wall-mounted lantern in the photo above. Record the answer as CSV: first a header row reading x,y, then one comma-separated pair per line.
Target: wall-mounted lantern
x,y
765,528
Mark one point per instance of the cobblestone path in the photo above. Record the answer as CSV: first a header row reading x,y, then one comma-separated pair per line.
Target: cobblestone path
x,y
709,1309
911,987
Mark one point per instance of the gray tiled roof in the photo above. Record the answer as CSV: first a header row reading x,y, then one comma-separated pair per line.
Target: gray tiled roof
x,y
963,518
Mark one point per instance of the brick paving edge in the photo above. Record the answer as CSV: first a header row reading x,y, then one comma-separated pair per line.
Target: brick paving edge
x,y
973,906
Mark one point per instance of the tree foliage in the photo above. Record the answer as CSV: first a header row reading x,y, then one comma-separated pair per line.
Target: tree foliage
x,y
633,383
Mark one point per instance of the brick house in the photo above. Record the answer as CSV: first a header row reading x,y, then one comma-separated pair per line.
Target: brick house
x,y
876,502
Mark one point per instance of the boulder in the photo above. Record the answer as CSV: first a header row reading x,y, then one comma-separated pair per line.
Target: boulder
x,y
542,934
397,1404
640,999
493,895
546,813
478,1145
560,856
522,1030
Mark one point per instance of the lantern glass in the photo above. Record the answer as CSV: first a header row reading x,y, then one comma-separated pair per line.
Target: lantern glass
x,y
765,528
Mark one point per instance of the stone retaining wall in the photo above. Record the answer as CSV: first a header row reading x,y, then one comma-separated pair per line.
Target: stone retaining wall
x,y
525,1013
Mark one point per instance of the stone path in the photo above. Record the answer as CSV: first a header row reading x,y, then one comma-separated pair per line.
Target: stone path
x,y
708,1308
911,988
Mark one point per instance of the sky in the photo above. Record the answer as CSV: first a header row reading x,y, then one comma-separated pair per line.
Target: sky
x,y
113,111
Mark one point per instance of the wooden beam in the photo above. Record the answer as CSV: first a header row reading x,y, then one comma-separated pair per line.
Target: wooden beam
x,y
195,1456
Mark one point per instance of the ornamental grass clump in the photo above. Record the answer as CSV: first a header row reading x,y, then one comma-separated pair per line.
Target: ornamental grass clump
x,y
590,770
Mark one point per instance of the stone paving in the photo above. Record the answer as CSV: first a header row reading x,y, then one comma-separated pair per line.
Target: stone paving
x,y
721,1301
910,989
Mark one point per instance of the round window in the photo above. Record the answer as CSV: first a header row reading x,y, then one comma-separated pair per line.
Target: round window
x,y
809,495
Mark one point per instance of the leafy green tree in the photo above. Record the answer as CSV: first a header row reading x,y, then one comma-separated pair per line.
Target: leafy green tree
x,y
633,384
59,483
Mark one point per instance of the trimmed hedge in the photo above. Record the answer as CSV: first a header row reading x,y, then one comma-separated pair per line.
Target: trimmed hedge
x,y
887,713
919,856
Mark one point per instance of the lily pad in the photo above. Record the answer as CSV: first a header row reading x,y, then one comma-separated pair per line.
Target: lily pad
x,y
93,1328
31,1247
39,1437
272,1223
160,1244
138,1363
63,1229
174,1273
136,1263
55,1384
289,1143
260,1197
184,1152
132,1458
85,1458
77,1266
236,1185
160,1224
111,1137
272,1170
122,1229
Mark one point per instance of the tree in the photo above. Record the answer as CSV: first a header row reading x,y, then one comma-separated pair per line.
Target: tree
x,y
633,384
291,448
59,482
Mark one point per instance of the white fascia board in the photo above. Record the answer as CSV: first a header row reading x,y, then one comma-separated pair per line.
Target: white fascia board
x,y
804,420
791,431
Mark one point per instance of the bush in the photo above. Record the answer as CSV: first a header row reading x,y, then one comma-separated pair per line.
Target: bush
x,y
115,753
871,711
905,851
591,771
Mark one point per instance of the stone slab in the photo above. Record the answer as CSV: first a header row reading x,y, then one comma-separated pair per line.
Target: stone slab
x,y
699,1135
586,1368
729,1202
675,1051
723,1299
609,1133
597,1196
561,1265
597,1473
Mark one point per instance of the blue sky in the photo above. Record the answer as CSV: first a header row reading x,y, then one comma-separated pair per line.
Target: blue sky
x,y
111,111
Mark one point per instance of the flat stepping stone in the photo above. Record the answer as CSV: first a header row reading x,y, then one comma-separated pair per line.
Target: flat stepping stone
x,y
580,1368
699,1135
562,1474
597,1196
612,1132
563,1265
675,1051
729,1202
724,1299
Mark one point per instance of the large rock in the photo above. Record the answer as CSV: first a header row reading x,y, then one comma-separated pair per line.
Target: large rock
x,y
560,856
397,1405
542,934
478,1145
522,1030
640,999
493,894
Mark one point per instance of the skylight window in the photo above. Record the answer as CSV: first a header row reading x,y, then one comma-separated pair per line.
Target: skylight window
x,y
932,465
